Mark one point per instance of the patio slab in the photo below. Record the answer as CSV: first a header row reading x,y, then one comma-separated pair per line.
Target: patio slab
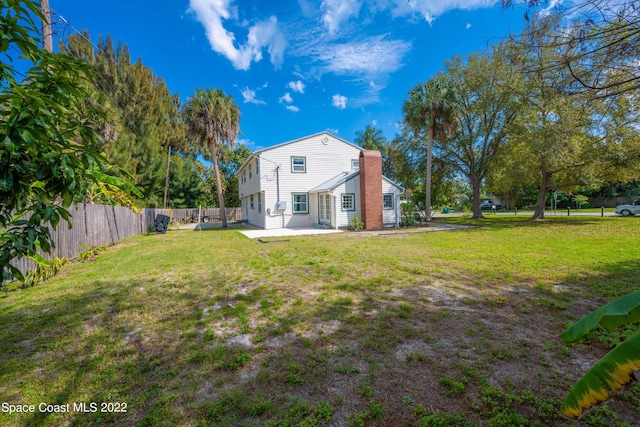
x,y
284,232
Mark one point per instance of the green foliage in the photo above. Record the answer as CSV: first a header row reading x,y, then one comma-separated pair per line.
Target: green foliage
x,y
44,270
408,213
356,223
50,149
614,370
438,419
580,200
373,139
213,119
485,107
451,386
90,253
144,123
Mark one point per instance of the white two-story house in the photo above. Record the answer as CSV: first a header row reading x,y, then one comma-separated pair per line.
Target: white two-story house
x,y
317,181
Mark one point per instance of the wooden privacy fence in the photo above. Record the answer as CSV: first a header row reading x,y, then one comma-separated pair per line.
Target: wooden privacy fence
x,y
209,214
96,225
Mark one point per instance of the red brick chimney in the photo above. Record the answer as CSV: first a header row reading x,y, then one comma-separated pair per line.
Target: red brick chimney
x,y
371,189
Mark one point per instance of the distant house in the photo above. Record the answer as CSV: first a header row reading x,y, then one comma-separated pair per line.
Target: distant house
x,y
317,181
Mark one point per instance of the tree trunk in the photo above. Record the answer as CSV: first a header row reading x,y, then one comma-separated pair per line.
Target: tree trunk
x,y
476,207
216,171
427,190
542,195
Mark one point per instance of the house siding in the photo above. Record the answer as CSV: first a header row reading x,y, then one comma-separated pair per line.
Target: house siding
x,y
344,219
323,162
391,217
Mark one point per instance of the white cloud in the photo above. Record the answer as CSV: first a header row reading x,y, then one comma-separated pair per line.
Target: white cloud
x,y
335,12
468,25
286,98
429,10
249,96
264,34
297,86
339,101
371,57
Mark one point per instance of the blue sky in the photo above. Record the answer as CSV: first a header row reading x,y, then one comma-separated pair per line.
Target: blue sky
x,y
296,67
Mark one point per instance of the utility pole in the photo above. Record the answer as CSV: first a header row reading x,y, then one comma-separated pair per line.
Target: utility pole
x,y
166,180
47,35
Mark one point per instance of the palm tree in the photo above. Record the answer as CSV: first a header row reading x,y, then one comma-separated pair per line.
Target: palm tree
x,y
213,119
430,107
373,139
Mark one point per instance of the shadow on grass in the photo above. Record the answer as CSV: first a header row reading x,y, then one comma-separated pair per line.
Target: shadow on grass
x,y
503,222
129,345
375,351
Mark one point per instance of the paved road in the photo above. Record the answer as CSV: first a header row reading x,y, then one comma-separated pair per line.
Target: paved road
x,y
529,213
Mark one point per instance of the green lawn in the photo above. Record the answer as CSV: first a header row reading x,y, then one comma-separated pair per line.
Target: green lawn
x,y
428,329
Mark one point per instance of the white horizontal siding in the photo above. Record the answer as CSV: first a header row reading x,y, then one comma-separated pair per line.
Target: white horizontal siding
x,y
345,218
323,162
391,217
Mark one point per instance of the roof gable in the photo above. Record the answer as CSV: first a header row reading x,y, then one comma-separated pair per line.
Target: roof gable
x,y
264,150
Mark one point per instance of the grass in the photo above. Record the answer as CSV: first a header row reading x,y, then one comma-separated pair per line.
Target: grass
x,y
212,328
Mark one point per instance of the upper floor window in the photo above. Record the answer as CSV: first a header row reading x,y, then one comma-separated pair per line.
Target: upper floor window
x,y
299,164
355,164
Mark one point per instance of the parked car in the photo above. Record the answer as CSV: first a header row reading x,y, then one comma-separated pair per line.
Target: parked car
x,y
488,204
626,210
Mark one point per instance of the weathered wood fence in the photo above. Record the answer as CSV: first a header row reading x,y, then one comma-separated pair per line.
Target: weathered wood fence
x,y
96,225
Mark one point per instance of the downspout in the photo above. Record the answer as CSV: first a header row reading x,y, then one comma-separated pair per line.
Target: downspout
x,y
278,191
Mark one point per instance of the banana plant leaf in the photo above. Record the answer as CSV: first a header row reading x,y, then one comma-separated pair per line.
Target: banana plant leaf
x,y
607,376
623,311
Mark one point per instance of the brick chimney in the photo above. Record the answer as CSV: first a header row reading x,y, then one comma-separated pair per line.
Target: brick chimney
x,y
371,189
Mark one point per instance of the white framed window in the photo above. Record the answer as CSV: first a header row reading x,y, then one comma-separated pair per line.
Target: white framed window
x,y
349,202
252,205
355,164
300,203
387,201
299,164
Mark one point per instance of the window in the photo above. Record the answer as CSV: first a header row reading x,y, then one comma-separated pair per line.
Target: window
x,y
348,202
300,203
259,202
252,205
299,164
387,201
355,164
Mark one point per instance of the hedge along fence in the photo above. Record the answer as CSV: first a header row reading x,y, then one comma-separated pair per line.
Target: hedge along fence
x,y
97,225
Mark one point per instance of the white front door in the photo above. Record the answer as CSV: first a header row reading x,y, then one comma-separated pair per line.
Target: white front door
x,y
325,208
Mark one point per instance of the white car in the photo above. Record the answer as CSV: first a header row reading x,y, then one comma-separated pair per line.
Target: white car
x,y
626,210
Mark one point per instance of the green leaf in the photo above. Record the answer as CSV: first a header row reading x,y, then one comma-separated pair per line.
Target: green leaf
x,y
617,313
115,181
607,376
39,259
9,145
